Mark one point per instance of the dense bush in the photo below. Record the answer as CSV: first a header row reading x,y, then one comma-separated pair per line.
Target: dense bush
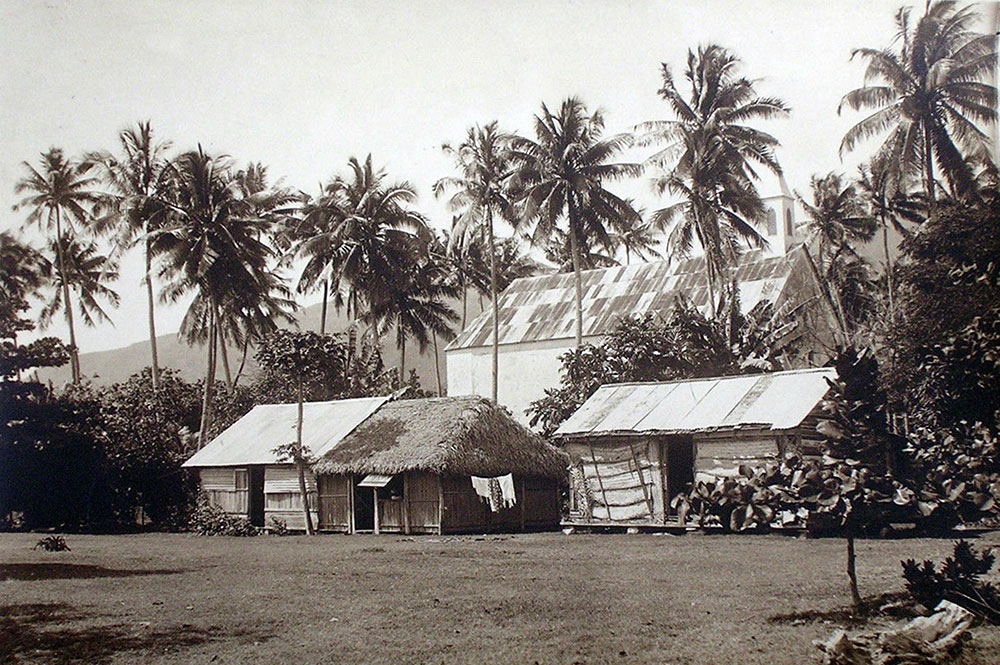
x,y
209,520
958,580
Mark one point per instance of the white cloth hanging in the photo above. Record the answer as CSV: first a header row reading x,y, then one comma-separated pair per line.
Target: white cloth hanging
x,y
507,490
498,491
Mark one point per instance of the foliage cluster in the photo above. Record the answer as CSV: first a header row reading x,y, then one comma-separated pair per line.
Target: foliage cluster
x,y
210,520
52,544
959,580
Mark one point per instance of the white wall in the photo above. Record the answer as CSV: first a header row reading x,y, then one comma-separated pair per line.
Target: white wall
x,y
526,370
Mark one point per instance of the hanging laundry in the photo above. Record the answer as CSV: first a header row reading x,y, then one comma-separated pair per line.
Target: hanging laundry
x,y
498,492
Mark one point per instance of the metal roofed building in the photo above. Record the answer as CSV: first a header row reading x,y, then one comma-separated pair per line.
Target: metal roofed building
x,y
634,446
537,318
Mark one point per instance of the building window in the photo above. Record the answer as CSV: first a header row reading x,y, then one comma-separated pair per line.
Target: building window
x,y
242,481
788,223
772,222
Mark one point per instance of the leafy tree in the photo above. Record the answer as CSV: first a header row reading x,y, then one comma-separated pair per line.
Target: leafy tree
x,y
930,94
561,175
138,183
646,348
306,361
60,193
479,194
710,155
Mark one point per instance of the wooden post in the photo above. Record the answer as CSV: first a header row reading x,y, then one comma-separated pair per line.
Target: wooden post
x,y
600,483
663,448
351,526
642,482
440,505
524,494
375,495
406,502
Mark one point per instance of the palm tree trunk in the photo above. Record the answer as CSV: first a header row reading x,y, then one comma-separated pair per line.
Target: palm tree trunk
x,y
929,169
437,365
824,288
465,302
401,343
155,368
322,316
888,266
243,361
206,400
577,281
300,464
225,361
496,308
74,354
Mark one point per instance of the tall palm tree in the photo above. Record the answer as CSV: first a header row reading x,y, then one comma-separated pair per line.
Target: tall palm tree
x,y
838,219
479,195
415,305
136,178
59,192
561,175
639,240
84,270
929,93
215,246
313,239
373,234
711,151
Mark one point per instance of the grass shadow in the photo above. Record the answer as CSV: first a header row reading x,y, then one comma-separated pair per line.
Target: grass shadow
x,y
27,630
66,571
893,604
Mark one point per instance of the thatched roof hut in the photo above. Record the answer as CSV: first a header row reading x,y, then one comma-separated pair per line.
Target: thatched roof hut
x,y
462,436
408,468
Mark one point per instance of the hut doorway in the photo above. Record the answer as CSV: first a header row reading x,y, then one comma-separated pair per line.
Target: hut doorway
x,y
364,509
678,452
256,495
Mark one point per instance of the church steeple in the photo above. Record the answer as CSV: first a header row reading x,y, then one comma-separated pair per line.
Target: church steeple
x,y
779,227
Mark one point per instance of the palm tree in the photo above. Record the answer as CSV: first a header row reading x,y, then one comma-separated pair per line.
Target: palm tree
x,y
710,153
137,181
928,94
838,219
415,305
60,191
312,238
561,176
639,240
214,245
372,235
86,271
479,194
559,252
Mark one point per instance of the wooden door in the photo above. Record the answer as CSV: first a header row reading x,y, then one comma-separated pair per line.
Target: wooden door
x,y
334,503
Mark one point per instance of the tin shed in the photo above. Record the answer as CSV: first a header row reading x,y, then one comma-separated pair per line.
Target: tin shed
x,y
239,472
634,446
408,468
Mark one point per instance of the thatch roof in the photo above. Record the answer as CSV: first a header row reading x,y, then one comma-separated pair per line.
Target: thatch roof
x,y
465,436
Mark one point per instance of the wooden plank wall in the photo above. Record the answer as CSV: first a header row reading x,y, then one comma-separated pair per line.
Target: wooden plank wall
x,y
335,503
618,478
422,496
719,454
282,499
219,485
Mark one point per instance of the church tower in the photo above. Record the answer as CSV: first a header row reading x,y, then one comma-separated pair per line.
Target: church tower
x,y
779,225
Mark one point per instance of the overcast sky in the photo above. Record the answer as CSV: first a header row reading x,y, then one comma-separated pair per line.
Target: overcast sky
x,y
303,85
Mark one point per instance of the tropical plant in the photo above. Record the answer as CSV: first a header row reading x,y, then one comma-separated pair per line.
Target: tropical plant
x,y
709,157
561,176
138,186
215,246
84,270
480,194
959,580
928,94
60,193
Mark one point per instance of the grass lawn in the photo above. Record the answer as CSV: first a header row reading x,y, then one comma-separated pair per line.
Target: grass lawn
x,y
546,598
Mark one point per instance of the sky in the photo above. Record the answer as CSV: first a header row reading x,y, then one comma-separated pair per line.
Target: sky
x,y
302,85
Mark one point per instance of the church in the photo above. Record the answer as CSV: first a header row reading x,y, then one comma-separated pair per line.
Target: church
x,y
537,314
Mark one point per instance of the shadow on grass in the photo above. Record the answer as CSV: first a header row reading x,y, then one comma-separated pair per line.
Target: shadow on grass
x,y
888,604
24,632
66,571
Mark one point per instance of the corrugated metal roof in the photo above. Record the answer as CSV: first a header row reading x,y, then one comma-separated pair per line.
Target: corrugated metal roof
x,y
541,308
251,439
780,400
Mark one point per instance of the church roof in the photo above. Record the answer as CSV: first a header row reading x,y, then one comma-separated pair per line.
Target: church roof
x,y
535,309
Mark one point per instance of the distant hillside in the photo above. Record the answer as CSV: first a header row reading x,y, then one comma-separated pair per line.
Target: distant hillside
x,y
116,365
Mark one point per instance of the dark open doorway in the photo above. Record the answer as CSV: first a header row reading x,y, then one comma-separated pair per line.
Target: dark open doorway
x,y
364,508
256,495
680,467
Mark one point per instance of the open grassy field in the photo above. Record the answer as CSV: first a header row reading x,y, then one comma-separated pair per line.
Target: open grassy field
x,y
546,598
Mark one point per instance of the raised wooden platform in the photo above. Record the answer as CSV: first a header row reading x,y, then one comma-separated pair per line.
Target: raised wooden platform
x,y
636,526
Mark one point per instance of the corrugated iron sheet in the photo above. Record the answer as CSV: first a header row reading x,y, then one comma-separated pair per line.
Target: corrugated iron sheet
x,y
541,308
251,439
780,400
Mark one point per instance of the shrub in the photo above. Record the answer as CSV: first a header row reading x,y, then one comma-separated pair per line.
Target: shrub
x,y
278,526
958,581
209,520
52,544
